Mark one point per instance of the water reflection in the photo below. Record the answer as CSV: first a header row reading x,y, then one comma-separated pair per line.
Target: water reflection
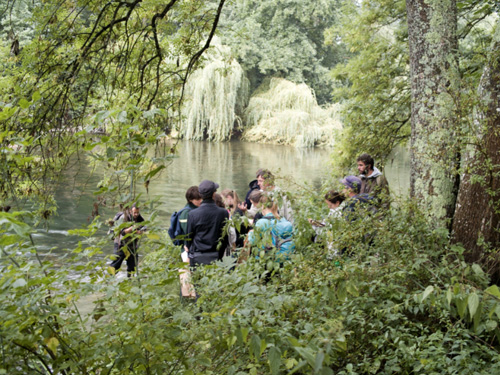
x,y
231,164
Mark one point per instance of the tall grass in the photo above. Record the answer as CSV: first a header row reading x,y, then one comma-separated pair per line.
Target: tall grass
x,y
288,113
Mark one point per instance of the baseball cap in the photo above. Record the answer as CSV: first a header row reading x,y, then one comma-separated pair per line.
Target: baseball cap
x,y
207,187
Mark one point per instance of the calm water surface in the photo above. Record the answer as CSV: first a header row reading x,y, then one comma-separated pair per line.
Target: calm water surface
x,y
231,164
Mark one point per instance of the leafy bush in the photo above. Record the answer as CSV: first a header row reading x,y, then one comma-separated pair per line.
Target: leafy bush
x,y
402,301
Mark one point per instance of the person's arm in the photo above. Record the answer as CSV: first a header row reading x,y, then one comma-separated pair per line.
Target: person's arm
x,y
128,230
252,211
225,236
316,223
134,228
188,240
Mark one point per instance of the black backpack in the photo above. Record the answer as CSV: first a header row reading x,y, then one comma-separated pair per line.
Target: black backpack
x,y
175,229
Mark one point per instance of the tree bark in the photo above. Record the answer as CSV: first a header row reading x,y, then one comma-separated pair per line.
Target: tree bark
x,y
477,216
434,77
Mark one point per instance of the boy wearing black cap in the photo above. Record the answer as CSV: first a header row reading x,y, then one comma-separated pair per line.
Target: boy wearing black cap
x,y
204,229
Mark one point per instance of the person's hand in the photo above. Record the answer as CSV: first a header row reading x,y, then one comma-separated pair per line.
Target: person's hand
x,y
128,230
243,206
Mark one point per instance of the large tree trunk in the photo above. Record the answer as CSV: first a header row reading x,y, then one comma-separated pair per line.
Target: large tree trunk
x,y
434,80
478,207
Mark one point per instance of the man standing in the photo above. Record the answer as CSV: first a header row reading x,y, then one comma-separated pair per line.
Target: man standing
x,y
126,242
373,182
204,228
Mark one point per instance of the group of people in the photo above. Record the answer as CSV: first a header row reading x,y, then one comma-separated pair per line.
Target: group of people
x,y
200,230
267,223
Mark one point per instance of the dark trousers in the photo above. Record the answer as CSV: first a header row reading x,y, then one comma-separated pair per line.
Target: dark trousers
x,y
200,258
121,256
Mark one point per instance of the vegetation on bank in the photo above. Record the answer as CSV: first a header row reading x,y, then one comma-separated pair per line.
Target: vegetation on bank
x,y
406,303
409,301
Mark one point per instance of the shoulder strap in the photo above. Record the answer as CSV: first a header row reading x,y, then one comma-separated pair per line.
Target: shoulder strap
x,y
118,215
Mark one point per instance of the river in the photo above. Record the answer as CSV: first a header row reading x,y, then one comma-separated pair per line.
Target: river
x,y
231,164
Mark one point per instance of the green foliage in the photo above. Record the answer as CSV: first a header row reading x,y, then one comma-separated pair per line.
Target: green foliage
x,y
373,84
215,97
403,302
400,300
286,113
117,69
283,38
123,156
16,23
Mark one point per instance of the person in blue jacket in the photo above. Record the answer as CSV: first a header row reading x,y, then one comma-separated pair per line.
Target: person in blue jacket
x,y
271,231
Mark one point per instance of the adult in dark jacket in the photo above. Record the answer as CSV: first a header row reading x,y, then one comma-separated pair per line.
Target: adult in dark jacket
x,y
204,228
128,239
194,200
373,182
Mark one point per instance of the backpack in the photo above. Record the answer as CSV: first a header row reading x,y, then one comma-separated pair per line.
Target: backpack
x,y
282,235
175,229
111,231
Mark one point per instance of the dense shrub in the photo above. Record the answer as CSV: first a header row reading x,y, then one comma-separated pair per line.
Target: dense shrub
x,y
402,301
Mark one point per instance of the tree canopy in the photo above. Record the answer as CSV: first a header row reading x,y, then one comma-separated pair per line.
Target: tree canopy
x,y
285,39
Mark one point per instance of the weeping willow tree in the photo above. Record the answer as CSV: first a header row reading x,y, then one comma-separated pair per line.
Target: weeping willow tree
x,y
288,113
215,97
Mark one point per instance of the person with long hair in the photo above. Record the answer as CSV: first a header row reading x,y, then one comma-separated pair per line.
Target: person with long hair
x,y
272,231
232,202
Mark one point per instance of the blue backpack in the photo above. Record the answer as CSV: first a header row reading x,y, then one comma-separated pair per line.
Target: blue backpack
x,y
175,229
282,235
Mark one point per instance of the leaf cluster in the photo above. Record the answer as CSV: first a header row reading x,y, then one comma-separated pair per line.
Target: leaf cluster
x,y
400,299
374,82
283,38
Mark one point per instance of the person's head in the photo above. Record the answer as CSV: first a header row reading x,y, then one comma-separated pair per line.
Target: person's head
x,y
193,196
265,179
267,205
365,164
255,197
134,210
352,185
207,189
334,199
219,202
231,198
